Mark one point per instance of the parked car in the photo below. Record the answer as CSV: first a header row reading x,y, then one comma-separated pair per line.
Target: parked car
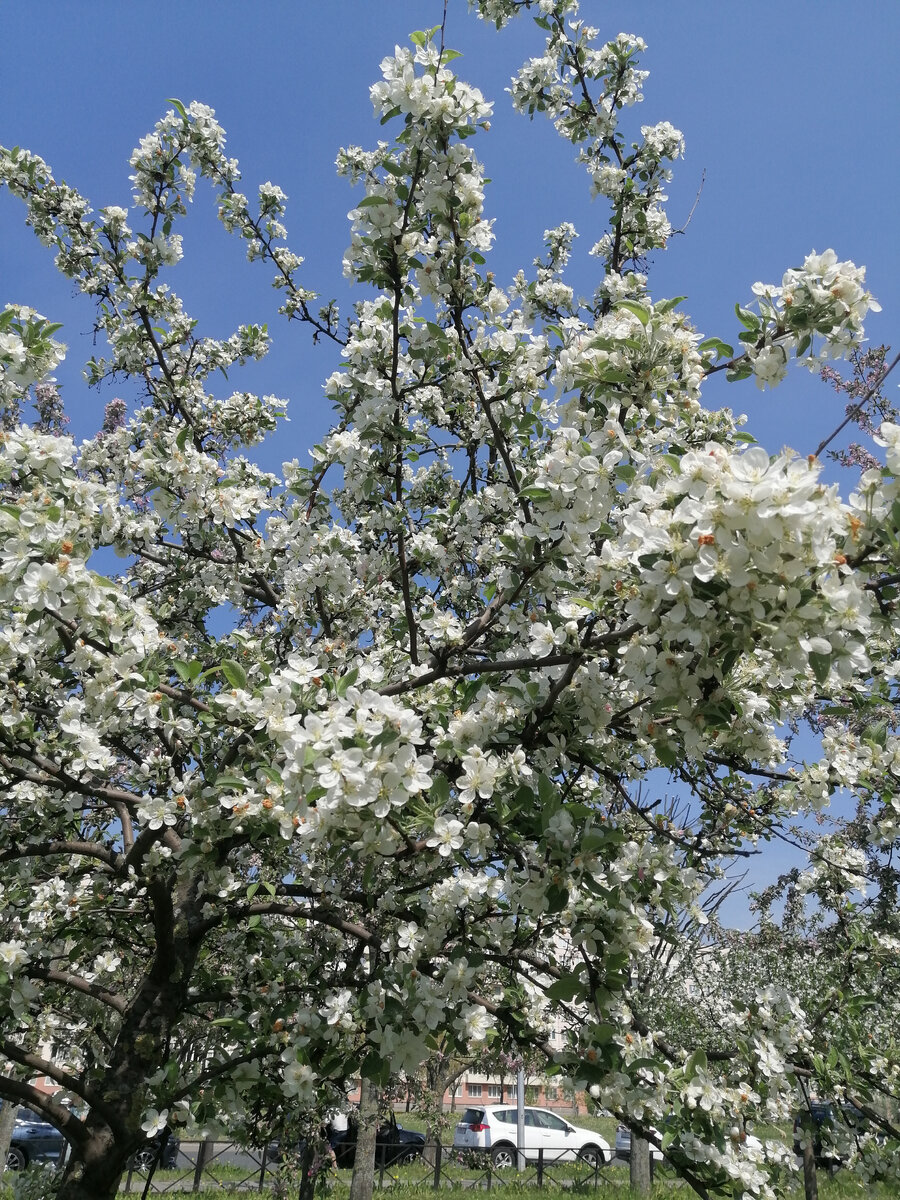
x,y
493,1128
393,1144
143,1159
34,1140
623,1144
825,1115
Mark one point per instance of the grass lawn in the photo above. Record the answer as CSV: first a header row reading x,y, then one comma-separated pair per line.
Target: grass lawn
x,y
414,1184
459,1182
613,1188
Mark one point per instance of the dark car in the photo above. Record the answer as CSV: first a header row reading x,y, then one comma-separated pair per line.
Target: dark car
x,y
166,1152
34,1140
393,1144
824,1116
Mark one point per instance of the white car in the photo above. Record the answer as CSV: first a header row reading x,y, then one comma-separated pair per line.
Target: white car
x,y
492,1130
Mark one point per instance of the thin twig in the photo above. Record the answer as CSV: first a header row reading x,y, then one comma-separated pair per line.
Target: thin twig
x,y
693,206
857,408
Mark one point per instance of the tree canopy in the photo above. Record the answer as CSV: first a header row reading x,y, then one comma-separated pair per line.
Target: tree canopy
x,y
338,761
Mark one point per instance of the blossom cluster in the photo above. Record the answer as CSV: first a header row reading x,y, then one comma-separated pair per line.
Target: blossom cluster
x,y
817,313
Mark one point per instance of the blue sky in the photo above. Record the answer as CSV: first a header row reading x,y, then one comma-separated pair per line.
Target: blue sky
x,y
789,109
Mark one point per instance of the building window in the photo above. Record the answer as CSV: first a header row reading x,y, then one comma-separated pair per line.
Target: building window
x,y
474,1090
495,1091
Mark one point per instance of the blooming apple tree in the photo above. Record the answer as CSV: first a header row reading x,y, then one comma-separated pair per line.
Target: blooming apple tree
x,y
348,757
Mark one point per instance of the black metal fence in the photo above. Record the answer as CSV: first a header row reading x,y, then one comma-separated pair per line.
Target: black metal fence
x,y
201,1166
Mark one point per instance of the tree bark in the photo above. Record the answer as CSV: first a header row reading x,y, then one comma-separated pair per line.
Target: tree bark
x,y
438,1082
362,1185
7,1124
639,1165
96,1177
810,1181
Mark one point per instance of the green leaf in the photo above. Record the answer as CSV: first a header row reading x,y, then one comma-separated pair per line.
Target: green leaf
x,y
547,791
181,440
231,781
536,493
720,348
876,735
439,791
187,672
234,673
376,1068
821,666
570,987
608,374
666,754
178,106
739,373
637,309
748,319
696,1062
346,681
665,306
603,1034
643,1064
371,201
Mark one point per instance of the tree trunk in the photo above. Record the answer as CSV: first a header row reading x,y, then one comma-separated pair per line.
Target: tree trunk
x,y
639,1166
7,1124
362,1185
91,1180
437,1082
810,1182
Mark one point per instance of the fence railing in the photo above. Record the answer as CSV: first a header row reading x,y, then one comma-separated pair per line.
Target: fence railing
x,y
200,1165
